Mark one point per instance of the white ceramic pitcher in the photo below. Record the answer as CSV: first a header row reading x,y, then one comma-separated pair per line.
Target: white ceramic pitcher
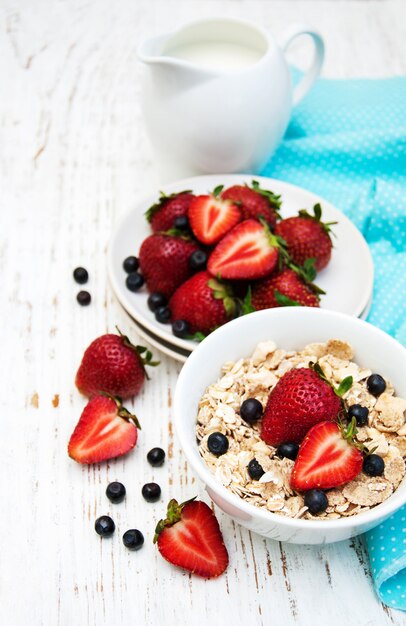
x,y
217,95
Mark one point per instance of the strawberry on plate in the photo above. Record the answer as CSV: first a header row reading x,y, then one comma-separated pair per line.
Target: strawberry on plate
x,y
113,365
190,537
286,288
105,430
164,261
203,302
211,217
327,458
254,202
248,251
307,237
163,213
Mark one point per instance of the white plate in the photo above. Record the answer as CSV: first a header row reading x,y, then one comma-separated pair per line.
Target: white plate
x,y
348,279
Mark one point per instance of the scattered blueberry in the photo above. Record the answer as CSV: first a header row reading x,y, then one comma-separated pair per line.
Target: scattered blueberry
x,y
104,526
198,260
133,539
251,410
180,328
81,275
360,413
131,264
376,384
134,281
156,300
151,492
288,449
84,298
217,444
115,492
373,465
156,457
255,470
316,501
181,222
163,314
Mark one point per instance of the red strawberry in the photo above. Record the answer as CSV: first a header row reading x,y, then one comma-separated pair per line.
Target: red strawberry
x,y
307,237
104,431
190,537
254,202
248,251
111,364
211,218
286,288
203,302
299,400
163,214
164,261
326,458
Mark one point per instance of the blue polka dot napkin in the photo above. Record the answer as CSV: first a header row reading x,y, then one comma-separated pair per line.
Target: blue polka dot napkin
x,y
347,142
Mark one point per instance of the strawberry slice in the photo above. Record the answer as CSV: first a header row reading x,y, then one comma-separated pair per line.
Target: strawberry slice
x,y
326,458
190,538
105,430
211,218
248,251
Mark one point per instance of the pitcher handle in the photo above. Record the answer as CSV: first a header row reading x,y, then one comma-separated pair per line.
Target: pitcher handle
x,y
310,76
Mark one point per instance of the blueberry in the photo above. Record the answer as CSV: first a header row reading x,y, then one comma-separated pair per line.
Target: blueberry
x,y
288,449
198,260
131,264
360,413
180,328
151,492
115,492
84,298
373,465
181,222
133,539
163,314
217,444
156,300
376,384
156,457
134,281
251,410
255,470
81,275
316,501
104,526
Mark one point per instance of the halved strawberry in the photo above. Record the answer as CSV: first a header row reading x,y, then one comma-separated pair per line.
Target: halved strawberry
x,y
248,251
211,218
104,431
190,537
327,458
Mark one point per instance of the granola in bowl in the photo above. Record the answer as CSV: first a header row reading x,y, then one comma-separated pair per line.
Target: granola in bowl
x,y
383,434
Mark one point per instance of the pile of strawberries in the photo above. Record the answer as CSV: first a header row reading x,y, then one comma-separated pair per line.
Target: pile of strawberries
x,y
214,257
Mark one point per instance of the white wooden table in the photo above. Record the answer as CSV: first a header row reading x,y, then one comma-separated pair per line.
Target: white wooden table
x,y
74,156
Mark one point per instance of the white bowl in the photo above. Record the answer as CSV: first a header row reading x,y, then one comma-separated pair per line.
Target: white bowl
x,y
291,328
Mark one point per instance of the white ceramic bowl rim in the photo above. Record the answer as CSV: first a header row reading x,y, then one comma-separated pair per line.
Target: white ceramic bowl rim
x,y
379,511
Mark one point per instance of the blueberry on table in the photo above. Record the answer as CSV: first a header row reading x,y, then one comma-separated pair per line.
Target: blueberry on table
x,y
133,539
255,469
81,275
360,413
373,465
84,298
163,314
251,410
156,457
217,443
156,300
376,384
131,264
180,328
104,526
134,281
115,492
316,501
288,449
151,492
198,260
181,222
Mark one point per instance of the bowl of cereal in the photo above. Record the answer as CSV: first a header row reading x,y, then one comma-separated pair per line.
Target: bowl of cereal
x,y
340,476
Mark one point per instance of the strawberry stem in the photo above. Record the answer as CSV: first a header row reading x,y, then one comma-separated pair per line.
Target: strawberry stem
x,y
140,350
273,199
173,515
317,210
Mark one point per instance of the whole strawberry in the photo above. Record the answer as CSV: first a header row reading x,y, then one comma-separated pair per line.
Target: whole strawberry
x,y
299,400
113,365
162,215
254,202
286,288
164,261
203,302
307,237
